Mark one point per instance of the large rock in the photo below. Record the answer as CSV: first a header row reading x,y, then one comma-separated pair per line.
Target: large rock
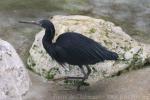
x,y
132,54
14,79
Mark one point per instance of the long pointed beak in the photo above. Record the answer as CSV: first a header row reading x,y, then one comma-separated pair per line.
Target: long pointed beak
x,y
30,22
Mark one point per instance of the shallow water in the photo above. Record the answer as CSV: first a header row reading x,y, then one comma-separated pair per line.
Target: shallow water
x,y
132,15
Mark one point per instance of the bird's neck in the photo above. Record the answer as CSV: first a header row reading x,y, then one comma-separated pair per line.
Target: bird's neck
x,y
49,35
47,40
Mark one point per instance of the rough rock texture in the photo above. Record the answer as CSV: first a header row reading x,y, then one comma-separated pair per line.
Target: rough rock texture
x,y
14,79
132,54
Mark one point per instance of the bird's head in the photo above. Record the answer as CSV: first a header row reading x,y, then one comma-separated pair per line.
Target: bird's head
x,y
43,23
46,24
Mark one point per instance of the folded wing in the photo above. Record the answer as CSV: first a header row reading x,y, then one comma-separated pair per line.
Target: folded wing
x,y
76,49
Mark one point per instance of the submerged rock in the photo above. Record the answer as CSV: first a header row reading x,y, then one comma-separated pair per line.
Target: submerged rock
x,y
132,54
14,79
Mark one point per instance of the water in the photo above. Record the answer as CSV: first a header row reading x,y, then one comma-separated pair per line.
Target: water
x,y
132,15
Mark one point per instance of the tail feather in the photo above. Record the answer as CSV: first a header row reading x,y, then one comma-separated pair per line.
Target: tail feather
x,y
105,54
111,55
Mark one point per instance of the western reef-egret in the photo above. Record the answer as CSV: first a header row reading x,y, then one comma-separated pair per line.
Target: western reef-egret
x,y
73,48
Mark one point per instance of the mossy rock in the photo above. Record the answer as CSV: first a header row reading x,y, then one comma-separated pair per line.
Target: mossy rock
x,y
132,54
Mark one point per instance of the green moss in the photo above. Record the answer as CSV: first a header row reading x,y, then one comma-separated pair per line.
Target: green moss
x,y
31,64
108,42
92,30
136,62
121,57
72,82
133,64
50,74
30,68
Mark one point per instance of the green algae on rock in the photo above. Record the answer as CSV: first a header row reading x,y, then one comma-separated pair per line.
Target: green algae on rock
x,y
132,54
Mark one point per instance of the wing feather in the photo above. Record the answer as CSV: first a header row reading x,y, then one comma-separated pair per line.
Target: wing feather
x,y
78,49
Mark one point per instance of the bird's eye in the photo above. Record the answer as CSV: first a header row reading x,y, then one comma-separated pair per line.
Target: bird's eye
x,y
40,24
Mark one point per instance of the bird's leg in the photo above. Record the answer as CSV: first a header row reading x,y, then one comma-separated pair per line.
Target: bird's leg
x,y
88,70
84,78
86,75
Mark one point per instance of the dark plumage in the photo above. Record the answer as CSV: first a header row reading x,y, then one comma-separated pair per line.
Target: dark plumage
x,y
76,49
73,48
